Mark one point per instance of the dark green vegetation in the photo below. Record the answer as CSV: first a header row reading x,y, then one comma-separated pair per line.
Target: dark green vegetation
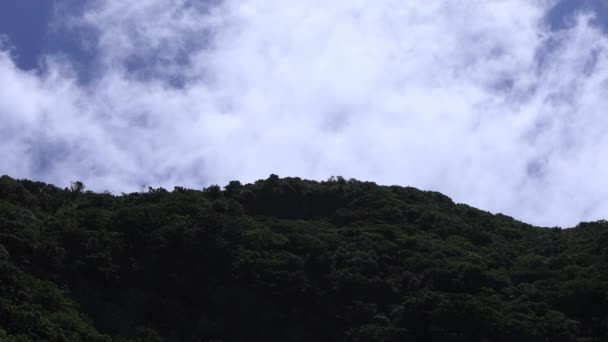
x,y
290,260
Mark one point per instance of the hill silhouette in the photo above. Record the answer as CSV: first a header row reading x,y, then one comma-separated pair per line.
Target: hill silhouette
x,y
286,259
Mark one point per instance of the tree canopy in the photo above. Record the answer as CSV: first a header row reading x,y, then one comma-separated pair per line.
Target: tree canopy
x,y
286,259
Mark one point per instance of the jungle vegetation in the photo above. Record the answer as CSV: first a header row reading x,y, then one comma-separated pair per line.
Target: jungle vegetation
x,y
287,259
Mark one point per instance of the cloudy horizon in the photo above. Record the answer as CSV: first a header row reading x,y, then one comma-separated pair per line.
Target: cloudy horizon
x,y
497,104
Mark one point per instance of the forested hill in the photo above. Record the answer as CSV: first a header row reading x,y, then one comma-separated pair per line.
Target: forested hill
x,y
290,260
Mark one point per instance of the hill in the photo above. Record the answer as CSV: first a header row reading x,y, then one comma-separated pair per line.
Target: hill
x,y
286,259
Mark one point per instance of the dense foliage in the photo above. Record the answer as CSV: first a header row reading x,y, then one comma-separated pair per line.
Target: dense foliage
x,y
290,260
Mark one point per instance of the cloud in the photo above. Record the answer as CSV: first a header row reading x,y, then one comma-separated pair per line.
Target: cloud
x,y
480,100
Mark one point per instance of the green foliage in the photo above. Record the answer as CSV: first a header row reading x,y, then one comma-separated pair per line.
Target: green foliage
x,y
286,259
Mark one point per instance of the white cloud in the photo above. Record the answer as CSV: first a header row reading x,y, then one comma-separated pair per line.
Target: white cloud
x,y
476,99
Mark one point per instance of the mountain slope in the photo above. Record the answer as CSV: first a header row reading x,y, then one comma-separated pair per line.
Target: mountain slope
x,y
290,260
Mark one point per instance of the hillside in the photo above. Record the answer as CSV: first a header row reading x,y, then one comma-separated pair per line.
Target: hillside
x,y
290,260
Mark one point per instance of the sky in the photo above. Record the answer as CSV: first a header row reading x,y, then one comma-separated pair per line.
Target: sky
x,y
499,104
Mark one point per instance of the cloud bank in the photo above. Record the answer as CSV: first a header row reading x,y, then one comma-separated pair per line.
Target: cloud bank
x,y
480,100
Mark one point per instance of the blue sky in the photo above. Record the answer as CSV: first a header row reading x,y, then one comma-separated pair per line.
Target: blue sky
x,y
498,104
34,29
26,23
